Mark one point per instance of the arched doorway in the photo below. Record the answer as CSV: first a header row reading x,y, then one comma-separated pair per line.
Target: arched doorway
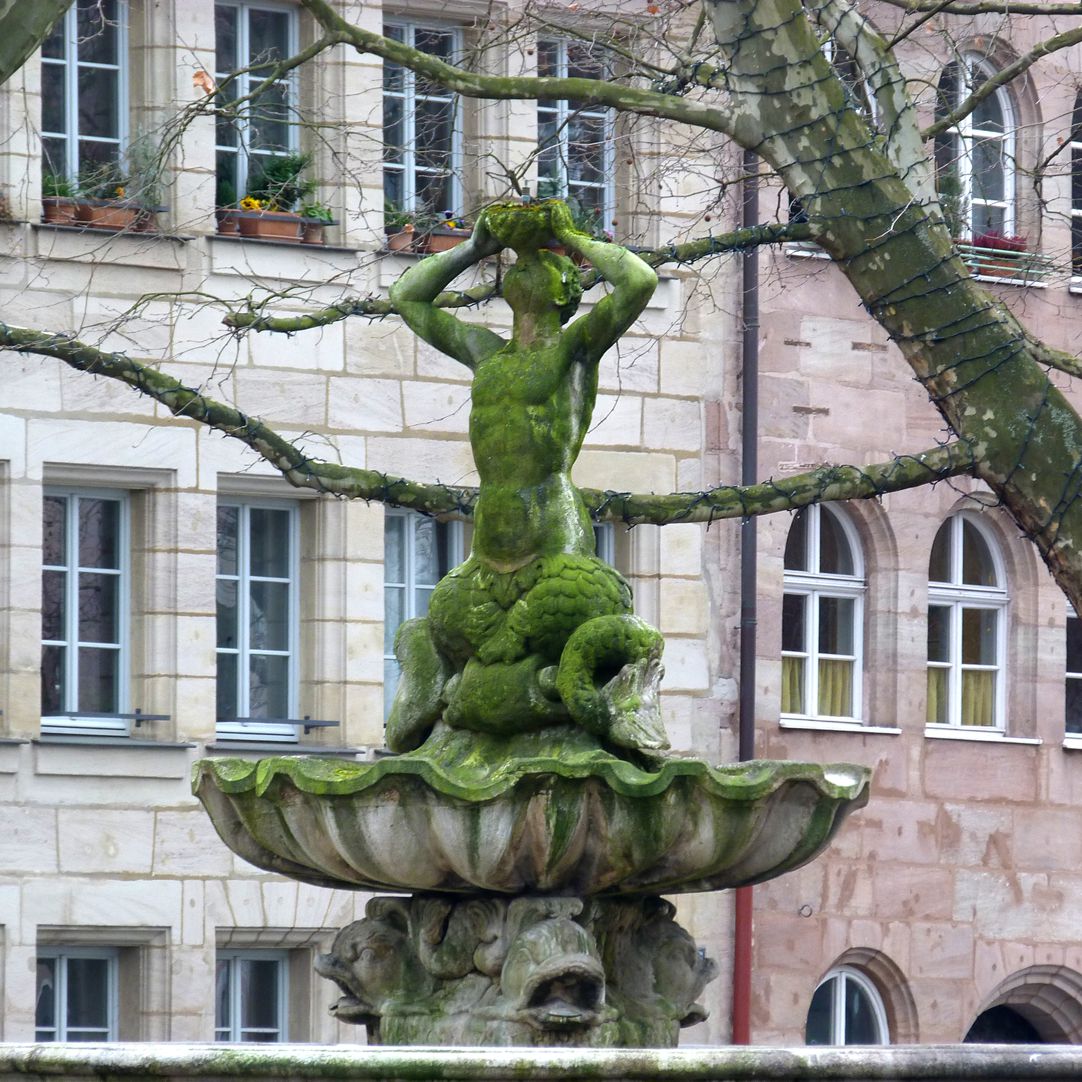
x,y
1003,1025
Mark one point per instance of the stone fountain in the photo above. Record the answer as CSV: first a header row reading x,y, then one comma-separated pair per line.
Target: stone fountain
x,y
530,815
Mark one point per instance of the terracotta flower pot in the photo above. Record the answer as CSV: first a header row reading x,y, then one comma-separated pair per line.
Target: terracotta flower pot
x,y
401,240
227,221
315,230
279,225
58,209
442,239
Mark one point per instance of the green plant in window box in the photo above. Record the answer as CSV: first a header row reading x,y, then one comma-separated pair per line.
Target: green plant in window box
x,y
405,229
225,207
267,212
118,200
58,199
317,216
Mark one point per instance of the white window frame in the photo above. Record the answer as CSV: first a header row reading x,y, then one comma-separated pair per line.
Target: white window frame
x,y
841,975
408,95
72,64
409,584
71,720
561,111
1070,675
234,1032
242,86
261,730
814,585
61,955
958,597
1076,172
974,70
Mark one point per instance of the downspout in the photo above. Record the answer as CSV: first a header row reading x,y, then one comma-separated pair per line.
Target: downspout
x,y
749,474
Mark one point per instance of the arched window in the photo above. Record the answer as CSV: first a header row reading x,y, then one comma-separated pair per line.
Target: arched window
x,y
846,1009
822,618
967,600
975,157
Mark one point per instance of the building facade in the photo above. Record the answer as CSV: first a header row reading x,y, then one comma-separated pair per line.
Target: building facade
x,y
165,596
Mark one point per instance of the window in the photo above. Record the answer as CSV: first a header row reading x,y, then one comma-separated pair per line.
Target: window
x,y
846,1009
251,996
84,611
1076,187
417,553
605,542
84,89
975,158
257,619
1073,705
420,133
822,616
575,158
76,994
249,38
966,608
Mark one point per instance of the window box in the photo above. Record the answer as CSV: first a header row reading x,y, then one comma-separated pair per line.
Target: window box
x,y
58,210
227,221
402,240
443,239
279,225
116,215
988,261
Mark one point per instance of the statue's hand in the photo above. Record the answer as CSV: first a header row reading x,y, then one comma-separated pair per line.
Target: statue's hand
x,y
483,240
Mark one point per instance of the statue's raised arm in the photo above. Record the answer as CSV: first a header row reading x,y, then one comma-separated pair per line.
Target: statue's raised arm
x,y
414,296
633,283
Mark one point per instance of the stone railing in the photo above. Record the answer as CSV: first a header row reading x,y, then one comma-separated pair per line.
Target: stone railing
x,y
316,1063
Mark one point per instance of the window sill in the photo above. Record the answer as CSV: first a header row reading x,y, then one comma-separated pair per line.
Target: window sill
x,y
107,740
803,249
109,234
271,748
819,725
957,732
264,242
1072,742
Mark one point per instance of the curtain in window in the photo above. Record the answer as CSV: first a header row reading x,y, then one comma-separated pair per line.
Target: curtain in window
x,y
836,688
978,698
792,685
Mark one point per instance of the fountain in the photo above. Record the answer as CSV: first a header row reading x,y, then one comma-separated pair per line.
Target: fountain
x,y
530,811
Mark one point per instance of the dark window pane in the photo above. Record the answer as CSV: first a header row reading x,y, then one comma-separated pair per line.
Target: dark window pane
x,y
394,187
99,608
394,612
836,618
88,992
988,116
225,38
259,994
835,557
582,63
98,103
792,623
433,194
435,42
228,527
268,36
269,692
99,533
394,132
939,566
53,586
938,633
53,46
227,686
221,995
269,616
269,120
98,680
979,636
54,533
860,1022
548,57
45,1008
989,170
978,568
429,551
54,153
818,1028
227,613
796,544
269,542
1073,705
433,134
53,677
96,22
53,114
1074,644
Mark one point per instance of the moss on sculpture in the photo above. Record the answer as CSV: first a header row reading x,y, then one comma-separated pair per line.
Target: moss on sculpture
x,y
533,629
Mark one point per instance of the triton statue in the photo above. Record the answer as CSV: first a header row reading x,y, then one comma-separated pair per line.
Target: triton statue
x,y
533,629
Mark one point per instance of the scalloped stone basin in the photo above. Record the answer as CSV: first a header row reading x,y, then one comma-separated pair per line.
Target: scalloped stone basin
x,y
443,819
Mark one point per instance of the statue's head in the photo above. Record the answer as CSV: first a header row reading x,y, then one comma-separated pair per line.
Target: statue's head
x,y
524,227
543,280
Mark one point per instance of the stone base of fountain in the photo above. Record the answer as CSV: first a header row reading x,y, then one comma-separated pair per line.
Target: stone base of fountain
x,y
539,970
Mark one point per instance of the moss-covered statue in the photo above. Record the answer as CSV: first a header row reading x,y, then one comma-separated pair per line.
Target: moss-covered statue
x,y
533,629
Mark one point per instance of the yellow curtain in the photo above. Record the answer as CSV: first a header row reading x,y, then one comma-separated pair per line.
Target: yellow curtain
x,y
978,698
937,696
792,685
836,688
